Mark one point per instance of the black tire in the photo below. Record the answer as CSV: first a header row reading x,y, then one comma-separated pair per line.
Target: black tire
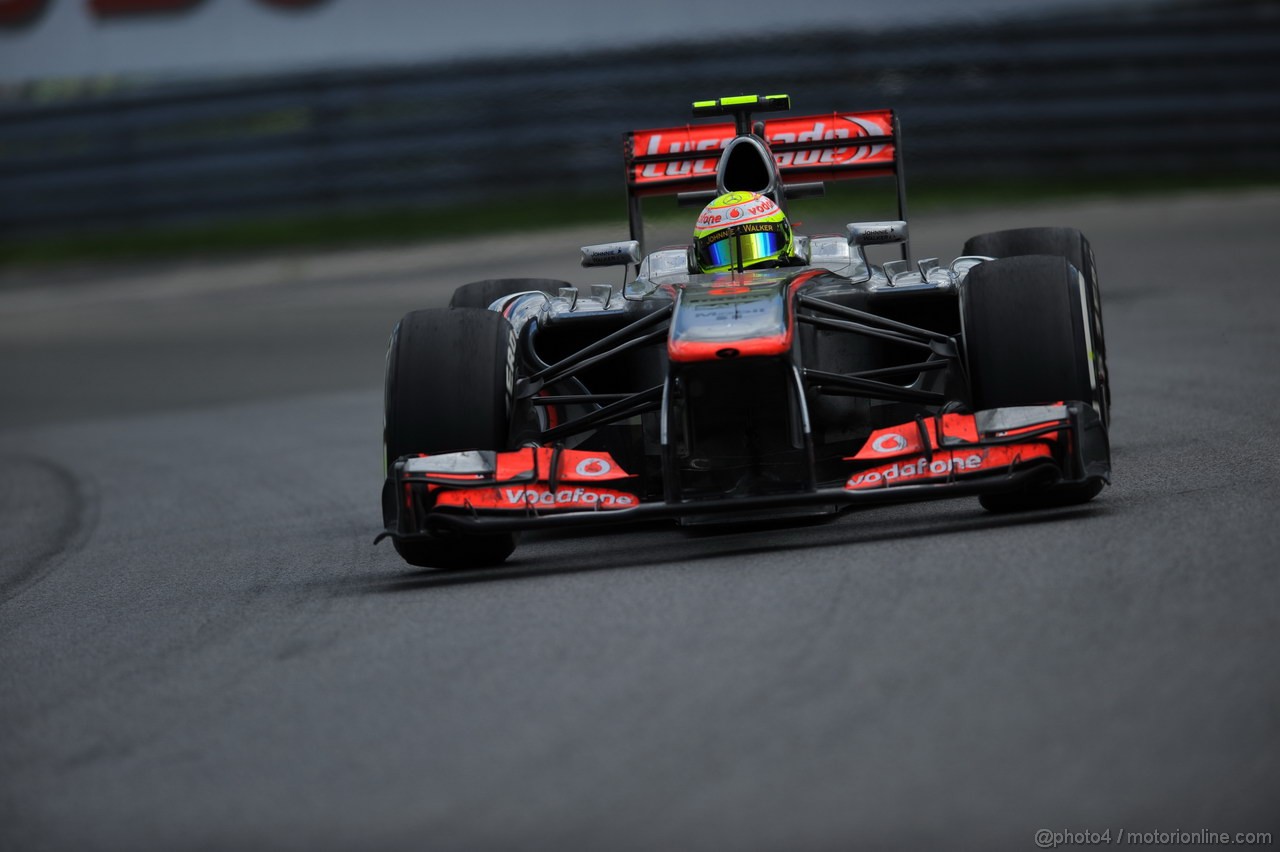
x,y
1025,344
1072,245
482,294
449,383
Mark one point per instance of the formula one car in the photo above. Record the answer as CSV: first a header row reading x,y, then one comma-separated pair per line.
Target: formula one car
x,y
786,391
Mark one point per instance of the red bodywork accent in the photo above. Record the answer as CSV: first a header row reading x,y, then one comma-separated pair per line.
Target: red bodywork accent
x,y
910,460
552,412
708,351
530,463
904,438
695,150
773,344
947,464
522,481
537,496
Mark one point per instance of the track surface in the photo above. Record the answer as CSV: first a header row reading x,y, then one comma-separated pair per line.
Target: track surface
x,y
199,647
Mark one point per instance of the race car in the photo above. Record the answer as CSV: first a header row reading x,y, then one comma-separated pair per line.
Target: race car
x,y
709,390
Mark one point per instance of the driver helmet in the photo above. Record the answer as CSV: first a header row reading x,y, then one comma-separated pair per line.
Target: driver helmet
x,y
742,230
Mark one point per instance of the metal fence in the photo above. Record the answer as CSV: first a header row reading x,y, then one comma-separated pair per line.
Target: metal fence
x,y
1159,90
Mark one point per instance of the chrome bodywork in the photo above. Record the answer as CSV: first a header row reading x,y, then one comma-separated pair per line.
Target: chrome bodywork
x,y
666,270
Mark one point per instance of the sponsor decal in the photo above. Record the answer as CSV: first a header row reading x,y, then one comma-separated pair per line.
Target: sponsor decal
x,y
514,486
703,239
537,496
738,212
920,468
533,463
833,128
519,466
593,467
873,236
890,443
945,464
905,438
579,496
509,389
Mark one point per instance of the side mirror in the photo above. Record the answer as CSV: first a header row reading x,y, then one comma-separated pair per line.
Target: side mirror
x,y
876,233
611,254
863,234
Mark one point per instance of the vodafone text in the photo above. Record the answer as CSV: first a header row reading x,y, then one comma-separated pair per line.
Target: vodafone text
x,y
920,467
566,497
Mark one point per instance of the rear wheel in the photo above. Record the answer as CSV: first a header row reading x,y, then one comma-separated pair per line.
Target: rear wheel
x,y
482,294
449,384
1025,344
1072,245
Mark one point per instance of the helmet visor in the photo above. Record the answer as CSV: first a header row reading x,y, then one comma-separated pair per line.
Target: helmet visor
x,y
723,249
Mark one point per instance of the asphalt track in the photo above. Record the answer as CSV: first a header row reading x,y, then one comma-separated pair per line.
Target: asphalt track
x,y
201,649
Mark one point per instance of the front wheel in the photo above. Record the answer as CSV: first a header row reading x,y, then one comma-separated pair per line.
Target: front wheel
x,y
449,386
1067,243
482,294
1026,343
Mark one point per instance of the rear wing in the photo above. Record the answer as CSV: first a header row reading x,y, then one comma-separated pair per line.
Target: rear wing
x,y
807,149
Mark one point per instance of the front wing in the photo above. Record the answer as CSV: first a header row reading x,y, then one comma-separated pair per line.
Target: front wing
x,y
947,455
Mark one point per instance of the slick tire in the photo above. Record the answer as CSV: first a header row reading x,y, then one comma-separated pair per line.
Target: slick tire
x,y
482,294
449,386
1025,344
1072,245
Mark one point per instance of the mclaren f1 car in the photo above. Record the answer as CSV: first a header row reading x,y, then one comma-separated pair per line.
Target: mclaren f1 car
x,y
791,390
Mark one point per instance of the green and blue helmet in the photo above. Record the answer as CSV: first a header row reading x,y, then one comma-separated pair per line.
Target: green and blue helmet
x,y
742,230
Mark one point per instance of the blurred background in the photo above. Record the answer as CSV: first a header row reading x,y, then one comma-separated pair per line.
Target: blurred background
x,y
141,125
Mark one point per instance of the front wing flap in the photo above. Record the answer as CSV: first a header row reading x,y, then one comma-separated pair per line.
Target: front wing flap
x,y
946,455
